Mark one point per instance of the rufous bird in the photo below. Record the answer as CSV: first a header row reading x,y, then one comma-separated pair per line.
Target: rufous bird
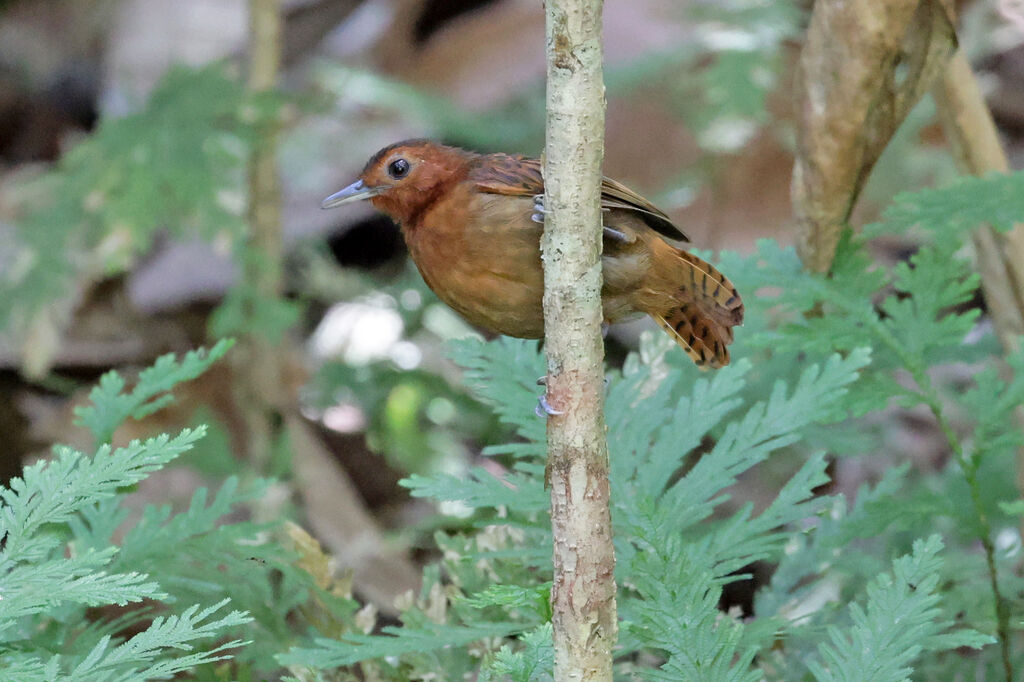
x,y
473,225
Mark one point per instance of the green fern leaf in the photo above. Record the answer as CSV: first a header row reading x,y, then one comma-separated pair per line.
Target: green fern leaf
x,y
111,405
900,622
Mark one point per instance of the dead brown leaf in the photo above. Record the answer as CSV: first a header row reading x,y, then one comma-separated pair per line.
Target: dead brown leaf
x,y
863,67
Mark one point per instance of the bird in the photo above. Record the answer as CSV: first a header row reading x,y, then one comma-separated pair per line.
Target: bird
x,y
473,224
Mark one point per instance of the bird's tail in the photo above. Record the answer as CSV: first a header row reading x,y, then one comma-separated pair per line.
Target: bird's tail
x,y
695,303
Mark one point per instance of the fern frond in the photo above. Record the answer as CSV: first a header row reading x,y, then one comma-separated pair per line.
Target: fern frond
x,y
901,620
503,374
174,165
50,491
111,405
949,212
353,647
33,588
480,488
141,658
766,427
533,662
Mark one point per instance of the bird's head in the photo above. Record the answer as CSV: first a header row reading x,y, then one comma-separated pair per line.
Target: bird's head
x,y
403,178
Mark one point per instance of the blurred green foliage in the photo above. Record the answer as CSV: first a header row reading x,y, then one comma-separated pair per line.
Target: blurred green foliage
x,y
175,165
88,596
824,366
680,440
111,406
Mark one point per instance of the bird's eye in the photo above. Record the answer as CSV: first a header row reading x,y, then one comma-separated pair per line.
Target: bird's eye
x,y
398,168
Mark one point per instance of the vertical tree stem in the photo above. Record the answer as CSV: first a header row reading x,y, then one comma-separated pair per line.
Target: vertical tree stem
x,y
263,269
975,143
583,594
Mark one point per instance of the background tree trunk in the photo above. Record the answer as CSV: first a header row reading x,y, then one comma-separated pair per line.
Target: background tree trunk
x,y
583,595
258,357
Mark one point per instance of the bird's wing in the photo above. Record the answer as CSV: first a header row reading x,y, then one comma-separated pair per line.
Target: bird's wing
x,y
520,176
508,175
616,195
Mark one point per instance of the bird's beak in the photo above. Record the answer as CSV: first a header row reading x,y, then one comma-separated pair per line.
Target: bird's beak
x,y
357,191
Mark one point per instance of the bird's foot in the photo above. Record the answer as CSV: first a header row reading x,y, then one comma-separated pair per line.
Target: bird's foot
x,y
544,408
616,235
538,217
538,209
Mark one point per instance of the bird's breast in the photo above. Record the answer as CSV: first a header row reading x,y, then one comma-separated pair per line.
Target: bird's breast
x,y
481,255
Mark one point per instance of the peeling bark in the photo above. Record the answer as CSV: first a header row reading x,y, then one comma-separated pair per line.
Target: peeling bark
x,y
583,594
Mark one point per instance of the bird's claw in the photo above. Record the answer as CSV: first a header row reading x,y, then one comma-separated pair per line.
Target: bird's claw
x,y
616,235
538,209
544,409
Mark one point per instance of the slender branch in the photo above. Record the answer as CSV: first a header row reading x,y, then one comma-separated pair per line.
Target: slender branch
x,y
265,27
583,594
975,143
259,360
970,469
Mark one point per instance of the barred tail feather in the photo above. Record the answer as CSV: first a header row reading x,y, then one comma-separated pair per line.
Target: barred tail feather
x,y
703,310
